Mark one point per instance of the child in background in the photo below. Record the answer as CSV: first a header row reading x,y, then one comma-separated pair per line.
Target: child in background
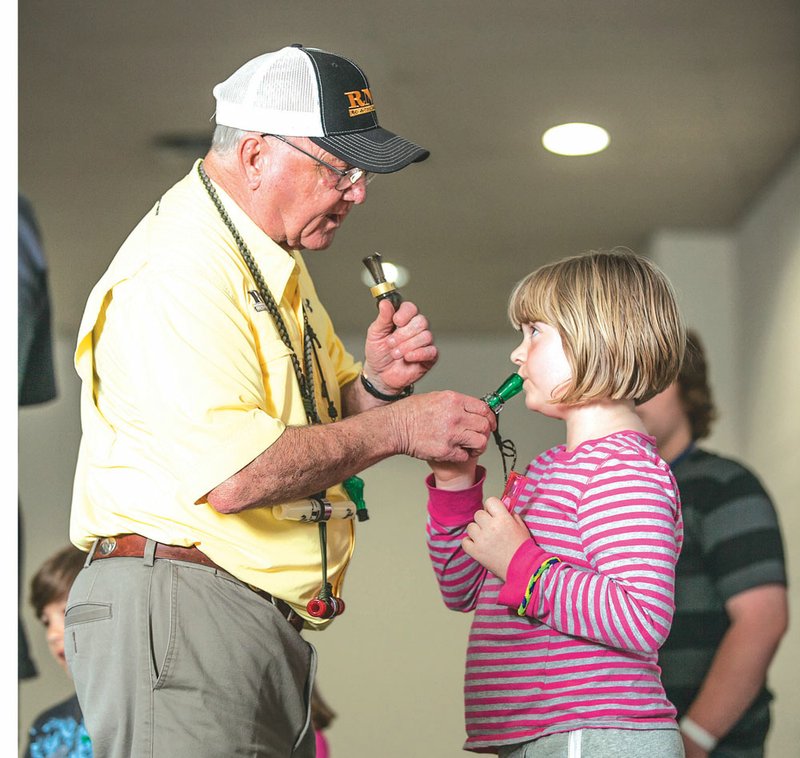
x,y
321,717
572,577
58,732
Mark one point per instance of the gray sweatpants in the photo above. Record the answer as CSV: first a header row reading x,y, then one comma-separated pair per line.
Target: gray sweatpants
x,y
181,660
601,743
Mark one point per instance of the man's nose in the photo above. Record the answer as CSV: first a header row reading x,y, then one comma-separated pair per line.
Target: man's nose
x,y
356,193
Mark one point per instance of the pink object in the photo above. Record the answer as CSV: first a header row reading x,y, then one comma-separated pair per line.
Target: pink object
x,y
322,745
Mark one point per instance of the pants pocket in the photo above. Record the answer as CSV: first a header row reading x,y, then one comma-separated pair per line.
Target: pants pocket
x,y
84,613
162,621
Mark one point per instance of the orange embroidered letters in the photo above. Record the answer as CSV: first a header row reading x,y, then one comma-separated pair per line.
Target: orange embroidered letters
x,y
360,102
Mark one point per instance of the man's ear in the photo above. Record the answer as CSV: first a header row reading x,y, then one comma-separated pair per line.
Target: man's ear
x,y
253,158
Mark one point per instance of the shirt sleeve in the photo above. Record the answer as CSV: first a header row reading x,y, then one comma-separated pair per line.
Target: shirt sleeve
x,y
628,527
460,577
196,372
738,530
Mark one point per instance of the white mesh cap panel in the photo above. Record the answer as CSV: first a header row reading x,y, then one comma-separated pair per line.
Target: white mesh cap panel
x,y
279,93
275,92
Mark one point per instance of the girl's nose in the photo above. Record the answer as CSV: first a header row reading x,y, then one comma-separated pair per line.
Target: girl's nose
x,y
518,354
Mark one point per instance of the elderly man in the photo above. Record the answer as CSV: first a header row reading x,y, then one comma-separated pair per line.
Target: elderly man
x,y
730,587
212,378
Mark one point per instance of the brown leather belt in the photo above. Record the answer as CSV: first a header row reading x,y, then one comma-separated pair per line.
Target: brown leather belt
x,y
133,546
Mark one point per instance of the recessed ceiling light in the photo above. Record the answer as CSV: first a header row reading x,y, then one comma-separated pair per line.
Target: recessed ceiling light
x,y
398,275
575,139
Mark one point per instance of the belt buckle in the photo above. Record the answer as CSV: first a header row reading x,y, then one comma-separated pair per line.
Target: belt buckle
x,y
106,546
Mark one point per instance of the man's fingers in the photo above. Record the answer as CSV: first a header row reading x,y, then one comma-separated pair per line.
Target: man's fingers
x,y
403,344
410,329
404,314
384,323
428,355
440,426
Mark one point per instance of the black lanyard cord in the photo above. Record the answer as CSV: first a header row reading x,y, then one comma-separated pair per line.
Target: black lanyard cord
x,y
304,375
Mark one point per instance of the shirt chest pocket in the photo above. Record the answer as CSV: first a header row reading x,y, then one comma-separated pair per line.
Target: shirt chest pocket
x,y
280,389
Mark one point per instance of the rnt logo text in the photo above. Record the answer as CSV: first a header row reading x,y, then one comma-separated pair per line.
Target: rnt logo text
x,y
360,102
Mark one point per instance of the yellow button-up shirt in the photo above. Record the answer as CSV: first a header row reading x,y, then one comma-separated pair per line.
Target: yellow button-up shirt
x,y
185,380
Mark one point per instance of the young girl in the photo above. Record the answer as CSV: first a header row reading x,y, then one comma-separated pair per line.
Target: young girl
x,y
571,576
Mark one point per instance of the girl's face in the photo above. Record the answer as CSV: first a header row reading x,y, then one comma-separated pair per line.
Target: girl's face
x,y
543,366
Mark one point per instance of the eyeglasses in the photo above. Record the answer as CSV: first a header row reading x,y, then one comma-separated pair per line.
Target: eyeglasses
x,y
347,177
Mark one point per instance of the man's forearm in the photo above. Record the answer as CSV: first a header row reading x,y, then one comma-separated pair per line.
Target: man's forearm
x,y
739,667
435,426
306,460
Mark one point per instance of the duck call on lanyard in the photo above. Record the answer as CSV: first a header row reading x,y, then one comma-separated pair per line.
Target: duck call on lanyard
x,y
496,400
326,605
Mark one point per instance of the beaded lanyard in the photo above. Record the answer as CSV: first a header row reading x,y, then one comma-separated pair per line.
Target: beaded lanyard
x,y
305,374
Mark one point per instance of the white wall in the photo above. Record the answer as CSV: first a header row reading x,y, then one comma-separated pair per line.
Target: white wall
x,y
392,665
739,289
769,361
702,266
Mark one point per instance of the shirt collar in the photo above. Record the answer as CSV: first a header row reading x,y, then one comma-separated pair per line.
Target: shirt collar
x,y
685,453
278,267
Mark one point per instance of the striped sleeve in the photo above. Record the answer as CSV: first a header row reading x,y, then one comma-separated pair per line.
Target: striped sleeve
x,y
460,577
627,526
735,523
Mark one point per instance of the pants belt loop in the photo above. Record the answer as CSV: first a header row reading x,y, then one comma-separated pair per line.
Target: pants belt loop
x,y
88,561
149,556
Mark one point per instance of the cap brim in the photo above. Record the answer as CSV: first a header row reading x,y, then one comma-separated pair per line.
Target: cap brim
x,y
376,150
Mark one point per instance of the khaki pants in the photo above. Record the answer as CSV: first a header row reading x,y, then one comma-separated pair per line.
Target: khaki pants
x,y
181,660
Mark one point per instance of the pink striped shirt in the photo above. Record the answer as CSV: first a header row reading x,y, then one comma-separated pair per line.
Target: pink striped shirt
x,y
585,655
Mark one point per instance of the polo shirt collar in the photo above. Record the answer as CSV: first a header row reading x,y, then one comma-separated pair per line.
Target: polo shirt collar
x,y
278,267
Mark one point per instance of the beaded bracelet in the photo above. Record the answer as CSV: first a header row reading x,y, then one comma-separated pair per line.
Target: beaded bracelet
x,y
532,583
375,392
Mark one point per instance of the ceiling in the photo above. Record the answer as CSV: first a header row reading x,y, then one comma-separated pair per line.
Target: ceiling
x,y
702,101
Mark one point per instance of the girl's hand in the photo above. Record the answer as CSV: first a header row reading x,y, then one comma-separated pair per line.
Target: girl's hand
x,y
454,476
494,536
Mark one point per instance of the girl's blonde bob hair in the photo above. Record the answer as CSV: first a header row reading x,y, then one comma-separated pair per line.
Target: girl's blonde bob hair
x,y
619,322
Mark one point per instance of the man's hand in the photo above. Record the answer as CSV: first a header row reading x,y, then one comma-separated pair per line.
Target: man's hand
x,y
399,349
442,426
494,536
438,426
